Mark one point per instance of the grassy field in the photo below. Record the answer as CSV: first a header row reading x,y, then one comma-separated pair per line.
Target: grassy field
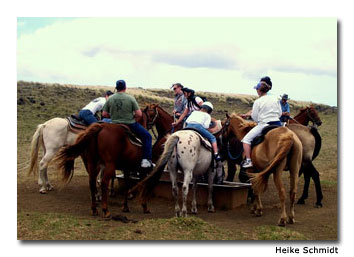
x,y
37,103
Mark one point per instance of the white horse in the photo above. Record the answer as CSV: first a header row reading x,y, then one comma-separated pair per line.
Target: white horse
x,y
51,135
185,151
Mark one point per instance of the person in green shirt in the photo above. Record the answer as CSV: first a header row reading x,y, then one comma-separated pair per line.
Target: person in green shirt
x,y
122,108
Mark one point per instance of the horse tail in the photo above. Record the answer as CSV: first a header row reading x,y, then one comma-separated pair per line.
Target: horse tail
x,y
35,145
318,142
260,180
67,155
145,187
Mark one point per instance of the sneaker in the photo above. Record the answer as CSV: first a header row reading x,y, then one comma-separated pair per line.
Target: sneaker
x,y
145,163
217,157
247,163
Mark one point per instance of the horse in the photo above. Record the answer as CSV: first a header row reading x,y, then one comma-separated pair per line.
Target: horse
x,y
51,136
184,151
107,145
306,115
281,149
162,121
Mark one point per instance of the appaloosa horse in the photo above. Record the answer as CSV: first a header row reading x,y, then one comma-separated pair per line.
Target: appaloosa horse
x,y
183,150
107,145
280,148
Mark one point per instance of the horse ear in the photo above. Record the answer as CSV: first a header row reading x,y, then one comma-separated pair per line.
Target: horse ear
x,y
227,115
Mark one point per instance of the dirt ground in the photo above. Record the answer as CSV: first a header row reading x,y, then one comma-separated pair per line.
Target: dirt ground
x,y
74,199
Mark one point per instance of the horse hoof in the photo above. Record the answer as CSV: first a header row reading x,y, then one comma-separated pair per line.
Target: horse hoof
x,y
178,214
301,201
106,215
184,214
211,209
318,205
282,223
50,188
194,211
94,213
291,220
43,191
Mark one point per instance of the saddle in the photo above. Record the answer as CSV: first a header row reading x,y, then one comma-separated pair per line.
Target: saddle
x,y
259,139
131,136
75,123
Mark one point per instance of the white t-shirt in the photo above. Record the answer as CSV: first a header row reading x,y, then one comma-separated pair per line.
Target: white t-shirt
x,y
265,109
199,117
95,105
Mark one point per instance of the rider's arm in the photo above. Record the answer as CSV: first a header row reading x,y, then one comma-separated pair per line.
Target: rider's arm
x,y
105,114
180,119
138,114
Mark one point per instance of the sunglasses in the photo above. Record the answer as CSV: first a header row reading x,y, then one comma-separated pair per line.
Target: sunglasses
x,y
174,88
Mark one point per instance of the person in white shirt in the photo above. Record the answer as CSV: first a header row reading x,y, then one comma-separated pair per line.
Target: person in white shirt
x,y
194,103
266,111
200,121
88,112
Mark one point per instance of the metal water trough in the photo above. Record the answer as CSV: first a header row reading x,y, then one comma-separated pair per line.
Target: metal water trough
x,y
227,196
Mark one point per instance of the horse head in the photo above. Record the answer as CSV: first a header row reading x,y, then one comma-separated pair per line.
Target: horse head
x,y
151,113
313,115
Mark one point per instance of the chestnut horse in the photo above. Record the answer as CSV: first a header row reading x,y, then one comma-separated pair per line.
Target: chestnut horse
x,y
107,145
51,136
306,115
280,149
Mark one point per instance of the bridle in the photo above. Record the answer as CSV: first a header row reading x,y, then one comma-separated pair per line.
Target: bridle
x,y
151,123
228,147
313,119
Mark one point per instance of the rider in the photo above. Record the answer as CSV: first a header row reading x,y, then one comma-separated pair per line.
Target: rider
x,y
88,112
124,109
200,121
285,116
266,111
180,101
194,103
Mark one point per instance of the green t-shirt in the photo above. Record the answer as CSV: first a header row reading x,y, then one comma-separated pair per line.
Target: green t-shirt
x,y
120,107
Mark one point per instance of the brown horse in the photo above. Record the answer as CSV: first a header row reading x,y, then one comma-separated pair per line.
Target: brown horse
x,y
162,121
280,149
106,145
306,115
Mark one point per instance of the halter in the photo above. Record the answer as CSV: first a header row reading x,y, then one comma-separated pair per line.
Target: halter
x,y
234,158
314,121
149,123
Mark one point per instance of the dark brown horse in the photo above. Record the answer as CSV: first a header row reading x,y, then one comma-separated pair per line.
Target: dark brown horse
x,y
106,145
306,115
162,121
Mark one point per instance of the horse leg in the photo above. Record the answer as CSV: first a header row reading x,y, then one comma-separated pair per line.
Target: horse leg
x,y
305,192
43,181
107,175
185,188
211,175
93,189
173,178
282,195
127,186
316,179
231,170
194,201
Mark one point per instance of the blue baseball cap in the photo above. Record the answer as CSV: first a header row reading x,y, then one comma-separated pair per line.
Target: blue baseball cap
x,y
120,85
257,86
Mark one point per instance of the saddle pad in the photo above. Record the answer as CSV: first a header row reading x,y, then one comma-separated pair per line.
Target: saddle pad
x,y
75,124
205,142
259,139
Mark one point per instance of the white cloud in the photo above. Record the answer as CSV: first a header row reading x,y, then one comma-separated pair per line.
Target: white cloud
x,y
232,53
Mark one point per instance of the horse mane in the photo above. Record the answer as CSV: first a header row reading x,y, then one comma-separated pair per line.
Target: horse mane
x,y
244,126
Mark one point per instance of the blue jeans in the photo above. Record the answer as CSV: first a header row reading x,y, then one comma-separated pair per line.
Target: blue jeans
x,y
203,131
87,116
145,137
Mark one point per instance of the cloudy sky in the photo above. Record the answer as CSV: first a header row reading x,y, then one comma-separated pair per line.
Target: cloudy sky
x,y
226,55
